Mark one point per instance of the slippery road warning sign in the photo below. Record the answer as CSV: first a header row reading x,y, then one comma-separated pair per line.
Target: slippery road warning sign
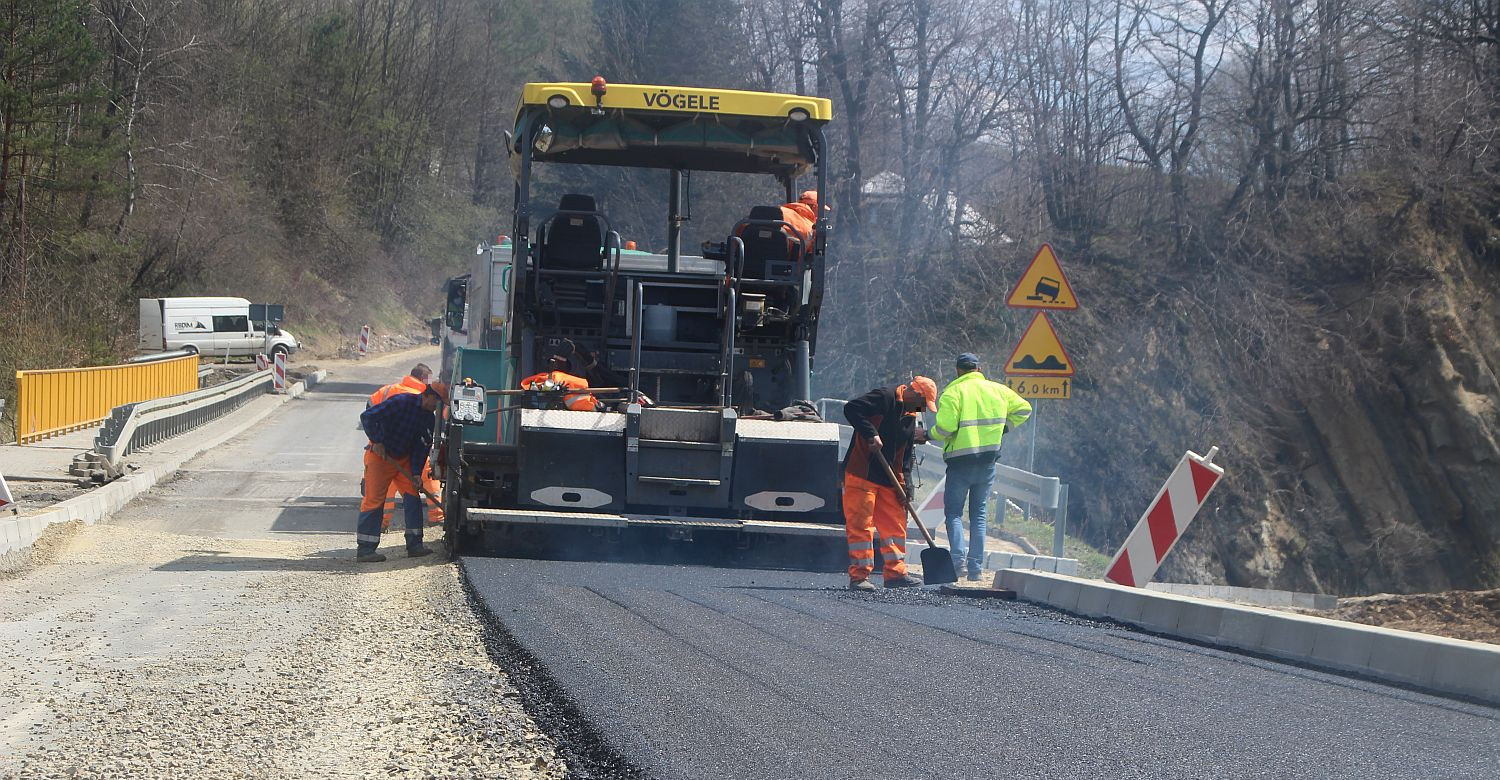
x,y
1043,286
1039,353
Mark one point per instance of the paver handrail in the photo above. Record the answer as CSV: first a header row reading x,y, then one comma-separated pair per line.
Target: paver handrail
x,y
55,401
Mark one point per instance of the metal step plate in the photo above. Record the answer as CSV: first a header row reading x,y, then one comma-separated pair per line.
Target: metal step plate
x,y
606,520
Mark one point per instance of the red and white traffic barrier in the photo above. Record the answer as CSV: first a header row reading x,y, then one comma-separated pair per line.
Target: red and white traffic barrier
x,y
278,374
1163,524
931,510
364,340
7,503
260,363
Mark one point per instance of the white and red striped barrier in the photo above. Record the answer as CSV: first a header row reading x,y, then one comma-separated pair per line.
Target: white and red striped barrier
x,y
1163,524
364,340
278,374
931,510
260,363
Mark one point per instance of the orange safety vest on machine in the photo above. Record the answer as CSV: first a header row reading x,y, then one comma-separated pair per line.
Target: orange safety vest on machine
x,y
578,402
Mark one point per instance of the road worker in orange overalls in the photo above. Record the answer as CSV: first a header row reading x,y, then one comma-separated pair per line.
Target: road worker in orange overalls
x,y
802,214
884,418
414,382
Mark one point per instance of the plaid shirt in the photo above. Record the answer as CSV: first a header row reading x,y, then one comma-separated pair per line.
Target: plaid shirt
x,y
401,424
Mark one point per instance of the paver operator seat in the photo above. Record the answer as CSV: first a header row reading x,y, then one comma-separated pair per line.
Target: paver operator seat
x,y
775,252
573,238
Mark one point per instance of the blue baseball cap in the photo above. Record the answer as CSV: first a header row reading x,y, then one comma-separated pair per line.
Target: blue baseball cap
x,y
968,360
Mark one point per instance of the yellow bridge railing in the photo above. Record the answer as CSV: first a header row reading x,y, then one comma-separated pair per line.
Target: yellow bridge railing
x,y
56,401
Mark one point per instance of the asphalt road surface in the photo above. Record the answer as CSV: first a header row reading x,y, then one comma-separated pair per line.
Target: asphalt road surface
x,y
687,672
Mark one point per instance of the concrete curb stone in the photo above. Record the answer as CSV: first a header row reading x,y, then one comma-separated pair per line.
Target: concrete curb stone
x,y
17,534
1440,664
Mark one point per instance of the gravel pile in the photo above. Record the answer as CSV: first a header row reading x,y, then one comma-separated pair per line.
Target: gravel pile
x,y
148,655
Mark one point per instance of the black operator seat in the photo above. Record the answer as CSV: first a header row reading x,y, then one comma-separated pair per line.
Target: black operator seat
x,y
573,238
769,242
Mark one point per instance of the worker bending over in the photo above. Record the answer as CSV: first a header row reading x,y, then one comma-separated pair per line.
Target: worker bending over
x,y
577,399
884,419
973,414
414,382
400,432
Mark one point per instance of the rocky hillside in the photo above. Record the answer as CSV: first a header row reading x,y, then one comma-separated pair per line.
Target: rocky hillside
x,y
1349,382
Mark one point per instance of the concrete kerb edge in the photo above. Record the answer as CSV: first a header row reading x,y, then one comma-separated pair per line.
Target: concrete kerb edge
x,y
1452,667
17,534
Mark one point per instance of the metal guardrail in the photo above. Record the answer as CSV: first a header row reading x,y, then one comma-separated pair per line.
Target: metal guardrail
x,y
156,356
136,425
55,401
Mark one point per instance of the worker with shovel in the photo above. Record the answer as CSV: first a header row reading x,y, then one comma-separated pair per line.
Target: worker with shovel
x,y
400,433
884,422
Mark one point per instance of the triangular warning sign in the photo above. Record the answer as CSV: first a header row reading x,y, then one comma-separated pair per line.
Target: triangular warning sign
x,y
1043,286
1039,352
6,502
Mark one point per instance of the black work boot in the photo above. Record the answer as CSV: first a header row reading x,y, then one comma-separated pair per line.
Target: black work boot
x,y
417,550
368,555
904,581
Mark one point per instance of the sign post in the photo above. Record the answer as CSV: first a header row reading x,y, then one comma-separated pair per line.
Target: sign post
x,y
364,340
1039,367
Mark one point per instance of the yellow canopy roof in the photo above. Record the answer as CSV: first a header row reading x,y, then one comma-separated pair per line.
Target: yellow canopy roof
x,y
649,97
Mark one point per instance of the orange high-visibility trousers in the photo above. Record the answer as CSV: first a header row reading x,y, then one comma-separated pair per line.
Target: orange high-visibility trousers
x,y
868,508
383,479
434,510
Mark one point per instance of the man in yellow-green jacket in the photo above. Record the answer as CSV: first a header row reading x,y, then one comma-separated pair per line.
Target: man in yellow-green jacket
x,y
973,415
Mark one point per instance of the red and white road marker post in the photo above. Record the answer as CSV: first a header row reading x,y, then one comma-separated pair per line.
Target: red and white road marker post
x,y
364,340
260,363
1175,505
7,503
278,374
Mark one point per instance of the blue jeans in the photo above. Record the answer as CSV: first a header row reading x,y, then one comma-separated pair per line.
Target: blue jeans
x,y
367,530
970,478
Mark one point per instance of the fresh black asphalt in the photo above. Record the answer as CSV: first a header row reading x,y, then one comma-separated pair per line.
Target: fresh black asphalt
x,y
691,672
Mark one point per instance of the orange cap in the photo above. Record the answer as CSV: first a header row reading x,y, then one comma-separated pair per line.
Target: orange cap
x,y
810,197
928,390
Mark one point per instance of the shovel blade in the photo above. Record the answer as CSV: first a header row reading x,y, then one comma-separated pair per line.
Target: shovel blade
x,y
937,566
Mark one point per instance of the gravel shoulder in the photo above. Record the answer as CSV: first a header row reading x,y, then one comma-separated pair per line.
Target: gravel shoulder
x,y
135,653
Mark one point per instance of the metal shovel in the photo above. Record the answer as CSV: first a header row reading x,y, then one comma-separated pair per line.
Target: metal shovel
x,y
937,562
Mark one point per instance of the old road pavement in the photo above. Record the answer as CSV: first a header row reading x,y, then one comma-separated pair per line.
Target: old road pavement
x,y
217,628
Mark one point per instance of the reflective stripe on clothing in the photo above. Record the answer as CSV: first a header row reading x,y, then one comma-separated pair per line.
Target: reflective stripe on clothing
x,y
367,539
973,413
972,450
868,508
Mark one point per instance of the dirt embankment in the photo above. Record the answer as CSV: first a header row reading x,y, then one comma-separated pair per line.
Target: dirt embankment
x,y
1460,614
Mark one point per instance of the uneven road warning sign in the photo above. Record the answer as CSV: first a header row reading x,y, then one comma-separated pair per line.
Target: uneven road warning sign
x,y
1043,286
1039,352
1056,387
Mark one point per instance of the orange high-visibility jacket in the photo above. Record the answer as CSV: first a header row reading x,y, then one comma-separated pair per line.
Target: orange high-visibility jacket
x,y
408,384
801,217
578,402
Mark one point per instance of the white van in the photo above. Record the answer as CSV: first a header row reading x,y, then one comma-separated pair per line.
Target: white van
x,y
208,326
